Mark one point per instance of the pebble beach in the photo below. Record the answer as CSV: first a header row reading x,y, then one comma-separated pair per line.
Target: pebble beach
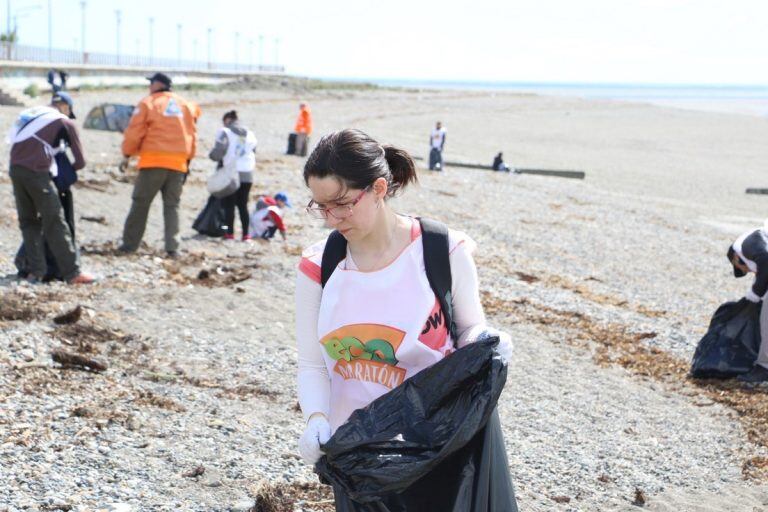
x,y
605,284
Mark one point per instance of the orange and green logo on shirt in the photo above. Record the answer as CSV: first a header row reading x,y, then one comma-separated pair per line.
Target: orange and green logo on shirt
x,y
366,352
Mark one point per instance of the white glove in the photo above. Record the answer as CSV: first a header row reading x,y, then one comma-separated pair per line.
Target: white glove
x,y
318,431
752,296
504,348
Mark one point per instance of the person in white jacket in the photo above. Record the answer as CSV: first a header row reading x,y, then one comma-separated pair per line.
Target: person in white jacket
x,y
236,146
377,321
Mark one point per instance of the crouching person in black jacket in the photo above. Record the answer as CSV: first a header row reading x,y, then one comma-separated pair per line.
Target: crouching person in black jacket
x,y
749,253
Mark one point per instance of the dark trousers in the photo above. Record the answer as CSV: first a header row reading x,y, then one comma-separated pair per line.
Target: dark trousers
x,y
436,159
149,182
42,221
240,200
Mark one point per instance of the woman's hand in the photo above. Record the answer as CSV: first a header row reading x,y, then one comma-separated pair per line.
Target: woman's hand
x,y
318,431
504,348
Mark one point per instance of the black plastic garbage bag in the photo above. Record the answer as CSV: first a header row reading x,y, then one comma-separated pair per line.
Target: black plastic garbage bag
x,y
434,443
210,221
731,344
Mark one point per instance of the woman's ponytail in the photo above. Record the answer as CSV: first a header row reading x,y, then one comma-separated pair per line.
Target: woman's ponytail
x,y
402,168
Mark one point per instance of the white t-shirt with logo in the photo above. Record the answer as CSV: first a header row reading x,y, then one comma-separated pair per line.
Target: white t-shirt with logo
x,y
366,332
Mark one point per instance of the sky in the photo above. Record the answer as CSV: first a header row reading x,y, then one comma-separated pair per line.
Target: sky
x,y
589,41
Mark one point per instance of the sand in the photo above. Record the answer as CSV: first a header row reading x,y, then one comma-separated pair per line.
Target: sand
x,y
638,247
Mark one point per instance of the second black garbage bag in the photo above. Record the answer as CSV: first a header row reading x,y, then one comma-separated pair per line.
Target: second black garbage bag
x,y
731,344
433,443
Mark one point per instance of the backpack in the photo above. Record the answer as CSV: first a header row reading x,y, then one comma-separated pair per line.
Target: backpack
x,y
434,239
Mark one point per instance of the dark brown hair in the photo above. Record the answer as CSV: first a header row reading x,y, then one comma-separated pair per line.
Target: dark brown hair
x,y
232,114
357,161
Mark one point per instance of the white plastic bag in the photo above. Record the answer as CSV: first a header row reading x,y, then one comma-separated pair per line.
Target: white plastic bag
x,y
223,182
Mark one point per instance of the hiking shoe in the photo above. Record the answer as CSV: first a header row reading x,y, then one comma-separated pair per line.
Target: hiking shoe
x,y
124,251
756,374
227,236
172,255
246,238
82,278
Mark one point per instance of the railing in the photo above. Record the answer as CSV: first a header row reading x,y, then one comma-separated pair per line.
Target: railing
x,y
22,53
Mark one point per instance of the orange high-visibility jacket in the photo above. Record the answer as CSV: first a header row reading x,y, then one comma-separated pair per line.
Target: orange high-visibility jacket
x,y
304,121
162,132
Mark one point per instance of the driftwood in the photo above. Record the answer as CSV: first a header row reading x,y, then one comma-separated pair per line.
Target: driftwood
x,y
69,359
579,175
763,191
99,220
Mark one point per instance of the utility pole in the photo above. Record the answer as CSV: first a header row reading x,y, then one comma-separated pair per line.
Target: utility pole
x,y
82,28
210,35
151,39
118,14
178,44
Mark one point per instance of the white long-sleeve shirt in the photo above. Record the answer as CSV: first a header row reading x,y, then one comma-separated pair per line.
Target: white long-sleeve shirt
x,y
313,379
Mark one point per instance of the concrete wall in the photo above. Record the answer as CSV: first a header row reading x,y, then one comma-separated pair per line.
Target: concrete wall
x,y
16,76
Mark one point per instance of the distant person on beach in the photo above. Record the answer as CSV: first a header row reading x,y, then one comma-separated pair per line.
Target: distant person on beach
x,y
236,147
37,137
749,253
51,79
163,134
436,146
498,163
267,218
303,129
63,76
377,291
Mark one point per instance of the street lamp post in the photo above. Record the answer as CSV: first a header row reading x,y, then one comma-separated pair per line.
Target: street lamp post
x,y
151,40
178,44
277,51
261,51
250,55
118,14
237,48
82,29
210,35
50,33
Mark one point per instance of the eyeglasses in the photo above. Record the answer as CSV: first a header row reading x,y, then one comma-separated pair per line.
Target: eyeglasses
x,y
338,212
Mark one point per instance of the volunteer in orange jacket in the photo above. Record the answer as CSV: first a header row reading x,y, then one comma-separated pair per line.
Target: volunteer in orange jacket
x,y
163,134
303,129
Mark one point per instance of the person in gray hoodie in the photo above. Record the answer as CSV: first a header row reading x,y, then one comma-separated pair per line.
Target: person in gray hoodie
x,y
236,146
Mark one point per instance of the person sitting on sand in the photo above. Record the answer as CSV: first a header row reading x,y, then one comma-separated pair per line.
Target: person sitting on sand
x,y
499,165
267,218
749,253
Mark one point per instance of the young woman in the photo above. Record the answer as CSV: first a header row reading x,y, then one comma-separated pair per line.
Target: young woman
x,y
378,292
236,146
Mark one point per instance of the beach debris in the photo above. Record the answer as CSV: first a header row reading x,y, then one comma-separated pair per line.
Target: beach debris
x,y
639,498
280,497
755,468
97,219
70,317
761,191
194,472
560,499
604,478
71,360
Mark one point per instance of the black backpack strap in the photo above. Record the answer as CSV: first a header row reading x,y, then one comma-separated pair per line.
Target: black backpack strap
x,y
335,251
434,238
